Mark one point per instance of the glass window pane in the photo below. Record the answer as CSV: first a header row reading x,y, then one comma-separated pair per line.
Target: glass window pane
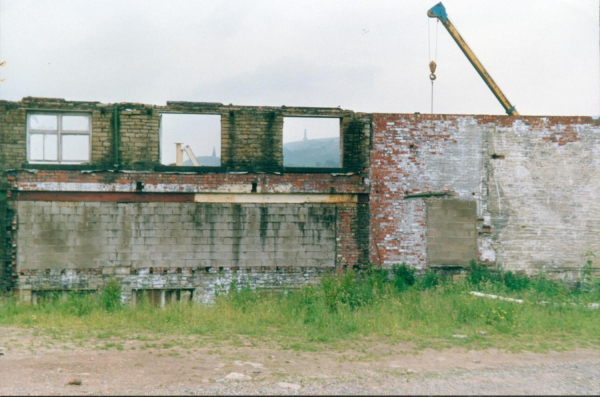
x,y
51,147
36,147
75,123
45,122
75,147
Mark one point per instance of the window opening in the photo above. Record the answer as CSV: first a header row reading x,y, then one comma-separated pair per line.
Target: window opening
x,y
311,142
58,138
190,139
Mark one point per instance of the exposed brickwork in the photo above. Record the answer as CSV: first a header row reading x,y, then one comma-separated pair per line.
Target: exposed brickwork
x,y
66,180
530,185
543,197
533,180
415,154
4,268
311,236
138,131
204,282
352,235
12,137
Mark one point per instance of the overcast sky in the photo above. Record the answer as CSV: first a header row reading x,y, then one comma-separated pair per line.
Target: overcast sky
x,y
362,55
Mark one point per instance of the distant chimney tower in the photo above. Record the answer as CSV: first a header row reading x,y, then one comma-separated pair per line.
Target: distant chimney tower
x,y
214,152
305,138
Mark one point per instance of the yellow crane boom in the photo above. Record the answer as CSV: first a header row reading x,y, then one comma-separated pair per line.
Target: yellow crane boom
x,y
439,11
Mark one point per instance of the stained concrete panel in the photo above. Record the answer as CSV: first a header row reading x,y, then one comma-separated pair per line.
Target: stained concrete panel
x,y
451,232
70,235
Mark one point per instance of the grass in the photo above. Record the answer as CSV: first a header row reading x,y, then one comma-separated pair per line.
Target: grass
x,y
346,310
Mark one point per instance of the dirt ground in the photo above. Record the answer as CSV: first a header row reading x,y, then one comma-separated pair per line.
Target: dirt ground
x,y
40,365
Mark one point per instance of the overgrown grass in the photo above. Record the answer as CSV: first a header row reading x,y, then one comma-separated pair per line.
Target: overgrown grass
x,y
396,306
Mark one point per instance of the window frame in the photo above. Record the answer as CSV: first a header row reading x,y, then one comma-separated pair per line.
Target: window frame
x,y
59,135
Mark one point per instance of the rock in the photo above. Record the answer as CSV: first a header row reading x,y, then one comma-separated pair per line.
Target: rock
x,y
290,386
482,333
74,382
459,336
237,376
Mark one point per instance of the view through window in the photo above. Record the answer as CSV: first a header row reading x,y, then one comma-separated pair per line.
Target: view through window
x,y
201,133
311,142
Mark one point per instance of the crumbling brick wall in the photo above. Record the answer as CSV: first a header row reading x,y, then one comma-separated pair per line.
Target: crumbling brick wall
x,y
544,185
533,180
73,228
525,187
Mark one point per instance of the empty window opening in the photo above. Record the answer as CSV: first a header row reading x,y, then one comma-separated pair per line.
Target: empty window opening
x,y
311,142
161,297
58,138
190,140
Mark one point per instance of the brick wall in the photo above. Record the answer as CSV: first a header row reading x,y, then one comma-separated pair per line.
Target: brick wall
x,y
4,265
138,136
533,181
544,185
251,137
530,184
204,282
412,155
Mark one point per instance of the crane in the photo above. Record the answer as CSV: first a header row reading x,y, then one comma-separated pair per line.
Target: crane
x,y
439,11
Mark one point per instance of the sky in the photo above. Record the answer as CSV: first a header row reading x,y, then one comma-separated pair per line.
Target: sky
x,y
369,56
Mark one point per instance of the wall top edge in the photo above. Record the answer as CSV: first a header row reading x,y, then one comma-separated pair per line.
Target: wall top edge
x,y
37,103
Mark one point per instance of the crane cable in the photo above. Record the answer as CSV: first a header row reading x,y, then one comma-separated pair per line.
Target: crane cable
x,y
432,64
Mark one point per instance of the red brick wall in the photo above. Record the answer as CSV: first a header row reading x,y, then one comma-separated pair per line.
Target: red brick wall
x,y
534,180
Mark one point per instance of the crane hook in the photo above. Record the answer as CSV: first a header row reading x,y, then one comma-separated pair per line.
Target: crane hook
x,y
432,66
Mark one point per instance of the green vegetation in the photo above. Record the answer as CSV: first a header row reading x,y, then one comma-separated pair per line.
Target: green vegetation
x,y
399,305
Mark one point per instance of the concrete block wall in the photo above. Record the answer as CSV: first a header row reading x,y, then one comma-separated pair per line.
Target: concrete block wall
x,y
84,235
87,226
252,159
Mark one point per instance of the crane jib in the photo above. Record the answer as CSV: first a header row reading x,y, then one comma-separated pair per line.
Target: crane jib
x,y
439,11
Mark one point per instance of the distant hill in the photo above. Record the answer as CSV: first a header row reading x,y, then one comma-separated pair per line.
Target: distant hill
x,y
324,152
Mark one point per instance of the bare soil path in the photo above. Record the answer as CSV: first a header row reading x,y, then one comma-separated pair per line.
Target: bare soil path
x,y
40,365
